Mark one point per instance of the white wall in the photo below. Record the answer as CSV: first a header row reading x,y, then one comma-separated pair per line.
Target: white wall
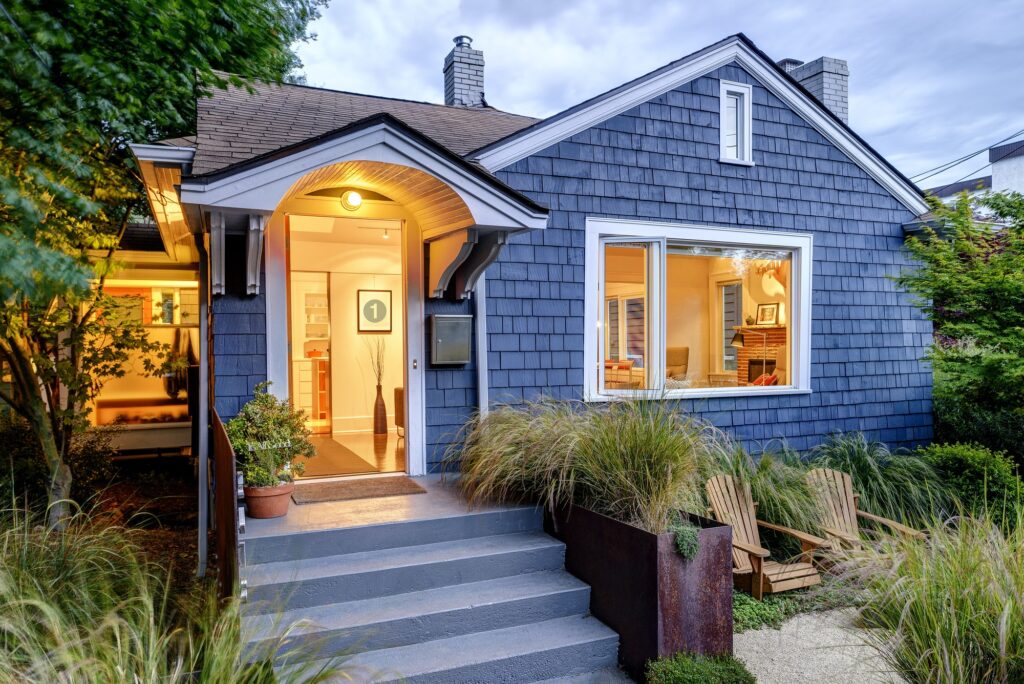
x,y
1008,174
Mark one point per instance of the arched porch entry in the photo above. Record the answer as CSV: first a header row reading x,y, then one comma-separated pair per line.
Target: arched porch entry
x,y
443,218
345,249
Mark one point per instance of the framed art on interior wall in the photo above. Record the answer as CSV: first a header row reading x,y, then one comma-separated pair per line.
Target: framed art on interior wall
x,y
768,314
373,309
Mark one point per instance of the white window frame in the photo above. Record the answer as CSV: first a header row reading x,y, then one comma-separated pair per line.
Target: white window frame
x,y
744,136
602,231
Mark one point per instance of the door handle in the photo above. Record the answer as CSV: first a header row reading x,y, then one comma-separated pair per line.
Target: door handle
x,y
415,364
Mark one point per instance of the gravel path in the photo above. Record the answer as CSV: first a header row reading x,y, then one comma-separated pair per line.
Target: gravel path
x,y
813,647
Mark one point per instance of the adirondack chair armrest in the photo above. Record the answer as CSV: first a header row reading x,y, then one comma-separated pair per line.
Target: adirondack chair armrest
x,y
751,549
893,525
803,537
832,532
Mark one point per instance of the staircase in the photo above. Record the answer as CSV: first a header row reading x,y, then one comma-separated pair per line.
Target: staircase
x,y
475,597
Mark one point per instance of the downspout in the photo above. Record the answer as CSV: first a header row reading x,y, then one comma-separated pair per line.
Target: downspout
x,y
480,309
204,403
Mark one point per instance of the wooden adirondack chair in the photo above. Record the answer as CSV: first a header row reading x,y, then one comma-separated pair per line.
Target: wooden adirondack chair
x,y
834,490
752,571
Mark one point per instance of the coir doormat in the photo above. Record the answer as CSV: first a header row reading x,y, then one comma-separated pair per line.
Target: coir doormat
x,y
362,488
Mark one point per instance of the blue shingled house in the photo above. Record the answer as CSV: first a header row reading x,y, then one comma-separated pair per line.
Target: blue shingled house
x,y
711,233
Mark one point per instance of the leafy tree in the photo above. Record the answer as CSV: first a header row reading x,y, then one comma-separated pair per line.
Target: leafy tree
x,y
79,80
971,285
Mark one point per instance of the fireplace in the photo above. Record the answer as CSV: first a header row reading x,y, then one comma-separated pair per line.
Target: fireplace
x,y
756,367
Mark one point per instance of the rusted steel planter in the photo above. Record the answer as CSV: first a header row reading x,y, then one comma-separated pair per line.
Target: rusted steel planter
x,y
642,588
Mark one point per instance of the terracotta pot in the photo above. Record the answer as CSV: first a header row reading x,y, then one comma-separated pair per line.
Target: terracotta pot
x,y
380,414
268,502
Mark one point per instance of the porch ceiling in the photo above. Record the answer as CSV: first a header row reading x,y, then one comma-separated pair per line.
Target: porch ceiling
x,y
437,207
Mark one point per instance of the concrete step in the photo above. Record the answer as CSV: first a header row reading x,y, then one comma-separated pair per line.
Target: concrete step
x,y
607,675
562,647
288,585
410,618
332,542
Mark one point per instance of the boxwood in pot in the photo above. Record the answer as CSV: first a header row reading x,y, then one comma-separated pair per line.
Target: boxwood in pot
x,y
268,437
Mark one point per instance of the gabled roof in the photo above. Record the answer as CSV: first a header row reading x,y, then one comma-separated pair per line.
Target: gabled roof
x,y
234,125
979,184
735,49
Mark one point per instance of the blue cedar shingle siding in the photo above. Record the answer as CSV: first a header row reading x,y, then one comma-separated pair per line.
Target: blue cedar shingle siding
x,y
239,335
660,161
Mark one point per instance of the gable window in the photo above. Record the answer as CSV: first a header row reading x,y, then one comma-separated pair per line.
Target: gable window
x,y
735,123
684,311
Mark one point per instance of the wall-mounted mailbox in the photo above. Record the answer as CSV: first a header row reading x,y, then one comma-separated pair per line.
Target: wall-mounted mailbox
x,y
451,339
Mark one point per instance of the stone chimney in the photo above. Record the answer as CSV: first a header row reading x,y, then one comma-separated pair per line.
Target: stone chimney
x,y
464,75
827,78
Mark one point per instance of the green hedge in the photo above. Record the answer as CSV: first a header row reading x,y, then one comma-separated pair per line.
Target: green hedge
x,y
982,479
684,668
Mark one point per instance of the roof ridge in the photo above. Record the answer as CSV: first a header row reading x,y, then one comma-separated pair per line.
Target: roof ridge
x,y
486,108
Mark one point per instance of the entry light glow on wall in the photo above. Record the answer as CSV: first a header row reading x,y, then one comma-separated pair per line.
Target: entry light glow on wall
x,y
351,200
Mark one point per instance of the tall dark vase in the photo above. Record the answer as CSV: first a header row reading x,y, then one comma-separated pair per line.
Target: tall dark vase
x,y
380,414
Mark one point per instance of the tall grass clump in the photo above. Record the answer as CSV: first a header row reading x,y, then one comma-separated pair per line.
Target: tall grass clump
x,y
635,461
777,482
84,605
949,610
902,487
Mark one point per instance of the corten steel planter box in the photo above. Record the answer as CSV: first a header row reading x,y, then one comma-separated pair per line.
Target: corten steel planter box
x,y
642,588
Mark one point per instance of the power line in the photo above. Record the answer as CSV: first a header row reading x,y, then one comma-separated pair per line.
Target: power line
x,y
945,167
939,191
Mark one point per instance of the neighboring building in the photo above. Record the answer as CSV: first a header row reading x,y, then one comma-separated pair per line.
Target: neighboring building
x,y
709,233
1007,162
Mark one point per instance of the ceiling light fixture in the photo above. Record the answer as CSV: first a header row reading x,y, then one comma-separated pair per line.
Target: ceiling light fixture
x,y
351,200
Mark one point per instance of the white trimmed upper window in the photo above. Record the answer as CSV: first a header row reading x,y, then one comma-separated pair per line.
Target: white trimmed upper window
x,y
679,310
735,122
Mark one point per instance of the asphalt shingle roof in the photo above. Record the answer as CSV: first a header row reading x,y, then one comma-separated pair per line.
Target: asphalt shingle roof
x,y
235,125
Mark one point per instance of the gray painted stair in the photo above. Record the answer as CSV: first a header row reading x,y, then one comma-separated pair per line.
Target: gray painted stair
x,y
482,597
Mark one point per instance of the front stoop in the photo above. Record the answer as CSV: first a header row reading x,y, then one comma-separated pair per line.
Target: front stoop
x,y
478,597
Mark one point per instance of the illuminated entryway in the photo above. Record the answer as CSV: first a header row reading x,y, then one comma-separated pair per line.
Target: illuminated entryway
x,y
347,325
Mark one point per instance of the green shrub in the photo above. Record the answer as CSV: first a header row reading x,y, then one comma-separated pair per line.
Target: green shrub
x,y
981,479
903,487
634,461
948,610
83,605
963,419
684,668
23,471
268,436
749,613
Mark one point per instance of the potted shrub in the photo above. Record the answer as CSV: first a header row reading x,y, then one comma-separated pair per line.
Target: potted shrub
x,y
620,484
268,437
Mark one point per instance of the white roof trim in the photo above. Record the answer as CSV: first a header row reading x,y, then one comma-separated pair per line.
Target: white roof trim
x,y
500,155
163,154
262,186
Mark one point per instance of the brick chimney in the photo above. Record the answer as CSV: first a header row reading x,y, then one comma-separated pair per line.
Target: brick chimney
x,y
464,75
827,78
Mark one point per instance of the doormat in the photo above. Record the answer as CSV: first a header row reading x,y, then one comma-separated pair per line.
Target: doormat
x,y
363,488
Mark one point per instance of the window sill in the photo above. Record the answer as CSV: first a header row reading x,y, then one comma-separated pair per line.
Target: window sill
x,y
698,393
736,162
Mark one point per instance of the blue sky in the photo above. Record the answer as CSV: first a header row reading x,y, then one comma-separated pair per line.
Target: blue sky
x,y
930,81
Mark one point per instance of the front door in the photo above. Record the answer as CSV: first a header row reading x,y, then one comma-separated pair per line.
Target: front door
x,y
347,291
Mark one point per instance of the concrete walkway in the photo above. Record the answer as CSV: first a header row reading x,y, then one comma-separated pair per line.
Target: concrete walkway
x,y
813,647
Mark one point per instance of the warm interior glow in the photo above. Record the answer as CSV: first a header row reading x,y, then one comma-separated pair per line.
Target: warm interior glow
x,y
351,200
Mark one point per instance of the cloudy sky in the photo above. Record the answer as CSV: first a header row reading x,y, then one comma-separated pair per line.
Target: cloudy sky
x,y
930,80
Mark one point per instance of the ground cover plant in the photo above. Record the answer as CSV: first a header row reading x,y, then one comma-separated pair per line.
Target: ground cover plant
x,y
948,610
684,668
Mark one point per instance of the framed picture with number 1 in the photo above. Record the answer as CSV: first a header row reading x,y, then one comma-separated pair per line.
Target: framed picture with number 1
x,y
374,310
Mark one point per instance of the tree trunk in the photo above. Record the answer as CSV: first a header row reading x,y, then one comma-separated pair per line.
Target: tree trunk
x,y
59,490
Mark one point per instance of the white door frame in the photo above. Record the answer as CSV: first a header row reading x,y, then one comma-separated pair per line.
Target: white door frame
x,y
279,368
